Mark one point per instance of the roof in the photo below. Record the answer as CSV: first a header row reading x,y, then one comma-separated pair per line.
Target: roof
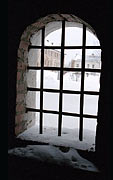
x,y
88,58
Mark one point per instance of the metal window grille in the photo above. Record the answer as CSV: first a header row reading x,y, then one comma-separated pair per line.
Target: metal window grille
x,y
81,115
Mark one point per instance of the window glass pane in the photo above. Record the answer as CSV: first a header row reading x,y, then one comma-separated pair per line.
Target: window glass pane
x,y
36,39
33,99
50,122
72,80
73,34
52,57
93,59
51,101
71,103
91,39
34,57
92,81
72,58
33,78
70,127
51,79
53,33
90,104
89,132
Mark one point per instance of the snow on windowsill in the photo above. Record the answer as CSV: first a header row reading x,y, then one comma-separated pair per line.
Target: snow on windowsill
x,y
69,137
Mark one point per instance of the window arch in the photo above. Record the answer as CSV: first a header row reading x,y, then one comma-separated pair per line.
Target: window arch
x,y
33,45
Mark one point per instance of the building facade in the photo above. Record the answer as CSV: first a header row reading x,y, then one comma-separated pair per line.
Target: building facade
x,y
92,62
51,58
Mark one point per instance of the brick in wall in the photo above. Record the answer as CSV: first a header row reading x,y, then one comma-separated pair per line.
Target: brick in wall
x,y
20,108
20,87
18,119
21,65
24,45
20,98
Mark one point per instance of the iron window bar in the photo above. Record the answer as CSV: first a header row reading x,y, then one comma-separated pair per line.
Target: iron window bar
x,y
63,113
63,91
92,70
61,79
65,47
41,82
82,86
64,69
33,68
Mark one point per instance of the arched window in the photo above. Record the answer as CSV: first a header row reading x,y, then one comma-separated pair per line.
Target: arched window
x,y
55,87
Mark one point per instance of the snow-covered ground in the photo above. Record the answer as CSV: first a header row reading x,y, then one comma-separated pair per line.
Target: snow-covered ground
x,y
54,155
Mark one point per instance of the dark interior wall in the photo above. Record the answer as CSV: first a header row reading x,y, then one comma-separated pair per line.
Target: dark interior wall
x,y
98,14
